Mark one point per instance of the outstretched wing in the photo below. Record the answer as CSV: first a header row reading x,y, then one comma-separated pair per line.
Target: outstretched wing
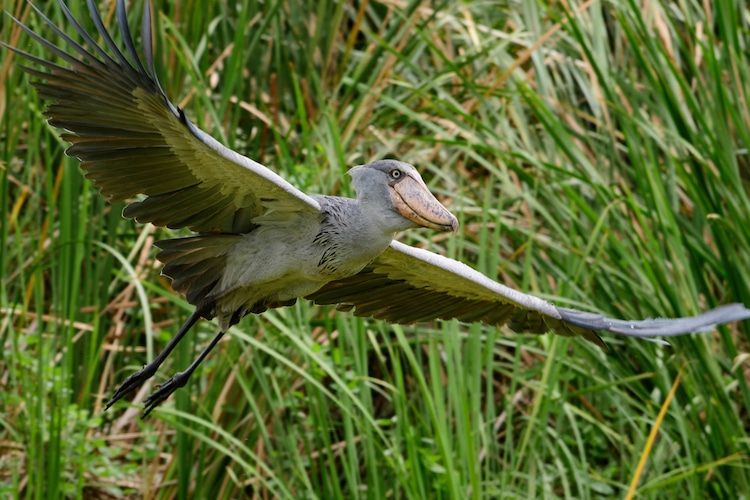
x,y
408,285
132,140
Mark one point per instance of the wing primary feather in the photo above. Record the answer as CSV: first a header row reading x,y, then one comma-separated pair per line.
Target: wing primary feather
x,y
94,12
148,52
79,29
48,45
127,38
72,21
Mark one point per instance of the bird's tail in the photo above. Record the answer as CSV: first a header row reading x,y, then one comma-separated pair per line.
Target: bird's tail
x,y
196,263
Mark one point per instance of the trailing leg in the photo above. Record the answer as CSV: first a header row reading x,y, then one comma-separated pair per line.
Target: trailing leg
x,y
150,369
179,379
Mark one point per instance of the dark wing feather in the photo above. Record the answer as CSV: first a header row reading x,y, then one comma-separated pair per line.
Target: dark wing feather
x,y
132,140
407,285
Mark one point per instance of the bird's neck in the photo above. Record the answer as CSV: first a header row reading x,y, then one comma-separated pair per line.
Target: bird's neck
x,y
356,231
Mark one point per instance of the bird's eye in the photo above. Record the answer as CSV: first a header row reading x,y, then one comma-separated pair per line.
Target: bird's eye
x,y
395,174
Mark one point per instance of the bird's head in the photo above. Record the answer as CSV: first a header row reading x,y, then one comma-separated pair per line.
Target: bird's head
x,y
399,188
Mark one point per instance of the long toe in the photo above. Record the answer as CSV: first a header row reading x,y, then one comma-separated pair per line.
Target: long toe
x,y
131,383
164,391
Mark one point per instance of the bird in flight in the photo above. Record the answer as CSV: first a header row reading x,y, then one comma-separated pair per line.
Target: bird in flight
x,y
259,242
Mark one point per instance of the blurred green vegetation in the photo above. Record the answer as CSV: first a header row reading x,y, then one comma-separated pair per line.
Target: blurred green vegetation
x,y
595,154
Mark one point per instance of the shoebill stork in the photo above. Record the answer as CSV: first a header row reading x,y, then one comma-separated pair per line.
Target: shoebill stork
x,y
259,242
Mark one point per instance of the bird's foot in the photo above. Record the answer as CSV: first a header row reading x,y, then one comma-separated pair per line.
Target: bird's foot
x,y
164,391
131,383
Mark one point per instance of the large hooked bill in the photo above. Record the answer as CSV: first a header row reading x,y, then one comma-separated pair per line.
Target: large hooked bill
x,y
413,200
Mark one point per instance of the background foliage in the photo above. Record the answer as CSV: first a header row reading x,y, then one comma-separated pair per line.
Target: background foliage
x,y
594,152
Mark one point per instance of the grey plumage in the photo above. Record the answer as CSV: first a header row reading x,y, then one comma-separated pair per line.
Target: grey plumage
x,y
260,242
